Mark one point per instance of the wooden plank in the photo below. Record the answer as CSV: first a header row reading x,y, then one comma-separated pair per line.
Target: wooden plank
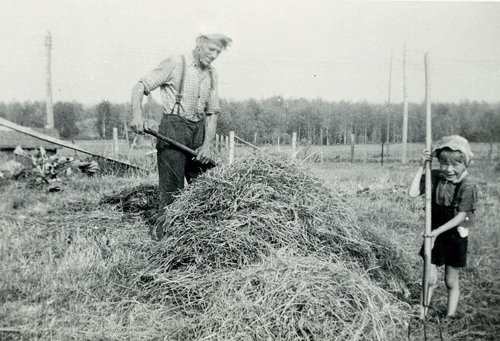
x,y
57,141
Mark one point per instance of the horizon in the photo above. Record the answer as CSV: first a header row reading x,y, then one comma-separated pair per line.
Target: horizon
x,y
336,51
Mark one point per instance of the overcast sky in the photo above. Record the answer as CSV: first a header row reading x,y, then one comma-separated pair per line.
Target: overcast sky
x,y
294,48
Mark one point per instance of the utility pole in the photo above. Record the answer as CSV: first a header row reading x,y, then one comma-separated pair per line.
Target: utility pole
x,y
405,111
50,111
389,108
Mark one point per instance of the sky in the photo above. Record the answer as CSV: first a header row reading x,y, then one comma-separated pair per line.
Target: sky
x,y
334,50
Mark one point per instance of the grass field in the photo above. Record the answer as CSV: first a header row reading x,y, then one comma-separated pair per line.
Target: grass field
x,y
363,153
67,261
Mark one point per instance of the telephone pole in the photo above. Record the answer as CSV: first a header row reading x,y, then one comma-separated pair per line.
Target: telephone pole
x,y
48,104
389,108
405,112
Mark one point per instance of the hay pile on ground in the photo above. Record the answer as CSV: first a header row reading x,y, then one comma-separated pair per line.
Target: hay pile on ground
x,y
285,297
235,216
142,200
263,249
138,199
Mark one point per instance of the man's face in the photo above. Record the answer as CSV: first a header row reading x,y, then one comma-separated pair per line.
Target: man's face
x,y
208,52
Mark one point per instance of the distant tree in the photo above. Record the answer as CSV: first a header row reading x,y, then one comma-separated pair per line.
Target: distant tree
x,y
66,114
3,110
250,120
490,129
232,117
272,113
108,118
152,109
443,120
27,114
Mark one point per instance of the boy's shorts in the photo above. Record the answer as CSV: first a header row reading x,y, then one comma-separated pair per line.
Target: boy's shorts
x,y
449,249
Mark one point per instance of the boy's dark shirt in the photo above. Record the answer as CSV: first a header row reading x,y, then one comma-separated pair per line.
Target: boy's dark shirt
x,y
449,198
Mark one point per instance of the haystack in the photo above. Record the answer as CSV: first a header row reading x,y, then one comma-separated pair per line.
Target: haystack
x,y
284,297
263,249
237,215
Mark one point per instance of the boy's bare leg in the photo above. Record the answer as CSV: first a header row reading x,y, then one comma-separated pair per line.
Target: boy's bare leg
x,y
432,283
451,279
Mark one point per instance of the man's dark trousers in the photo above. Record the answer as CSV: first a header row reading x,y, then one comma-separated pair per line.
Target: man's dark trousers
x,y
174,164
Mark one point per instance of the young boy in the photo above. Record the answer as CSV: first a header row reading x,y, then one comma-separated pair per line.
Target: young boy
x,y
454,200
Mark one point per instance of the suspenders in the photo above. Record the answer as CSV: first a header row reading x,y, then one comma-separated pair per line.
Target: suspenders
x,y
178,96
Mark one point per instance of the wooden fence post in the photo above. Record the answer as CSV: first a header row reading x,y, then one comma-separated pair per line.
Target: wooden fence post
x,y
115,142
352,147
294,143
231,147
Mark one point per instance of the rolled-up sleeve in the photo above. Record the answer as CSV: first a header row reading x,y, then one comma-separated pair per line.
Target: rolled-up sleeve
x,y
213,101
161,75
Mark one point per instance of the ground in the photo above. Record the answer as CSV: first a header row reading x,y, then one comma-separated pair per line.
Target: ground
x,y
66,260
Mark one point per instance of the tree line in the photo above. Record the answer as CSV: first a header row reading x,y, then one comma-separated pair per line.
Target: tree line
x,y
273,120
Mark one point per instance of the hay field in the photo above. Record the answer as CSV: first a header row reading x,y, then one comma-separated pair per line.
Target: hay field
x,y
70,271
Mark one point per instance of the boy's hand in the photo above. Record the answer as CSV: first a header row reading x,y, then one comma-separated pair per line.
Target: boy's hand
x,y
432,236
426,156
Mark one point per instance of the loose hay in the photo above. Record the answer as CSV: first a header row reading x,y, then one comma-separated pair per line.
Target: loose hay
x,y
233,216
135,200
285,297
263,249
142,200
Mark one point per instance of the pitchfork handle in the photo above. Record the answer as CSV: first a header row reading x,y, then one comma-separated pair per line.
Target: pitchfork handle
x,y
176,144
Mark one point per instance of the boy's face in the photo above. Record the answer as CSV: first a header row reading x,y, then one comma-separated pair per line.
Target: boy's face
x,y
452,169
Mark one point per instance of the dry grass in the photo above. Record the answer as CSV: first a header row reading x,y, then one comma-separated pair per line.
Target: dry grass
x,y
283,297
253,250
71,270
235,216
381,203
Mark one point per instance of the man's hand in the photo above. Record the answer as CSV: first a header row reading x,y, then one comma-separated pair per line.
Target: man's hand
x,y
204,153
137,125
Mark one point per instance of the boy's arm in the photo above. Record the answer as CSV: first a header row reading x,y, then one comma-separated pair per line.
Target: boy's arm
x,y
455,221
414,190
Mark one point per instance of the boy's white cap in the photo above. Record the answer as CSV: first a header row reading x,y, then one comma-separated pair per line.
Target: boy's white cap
x,y
455,142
